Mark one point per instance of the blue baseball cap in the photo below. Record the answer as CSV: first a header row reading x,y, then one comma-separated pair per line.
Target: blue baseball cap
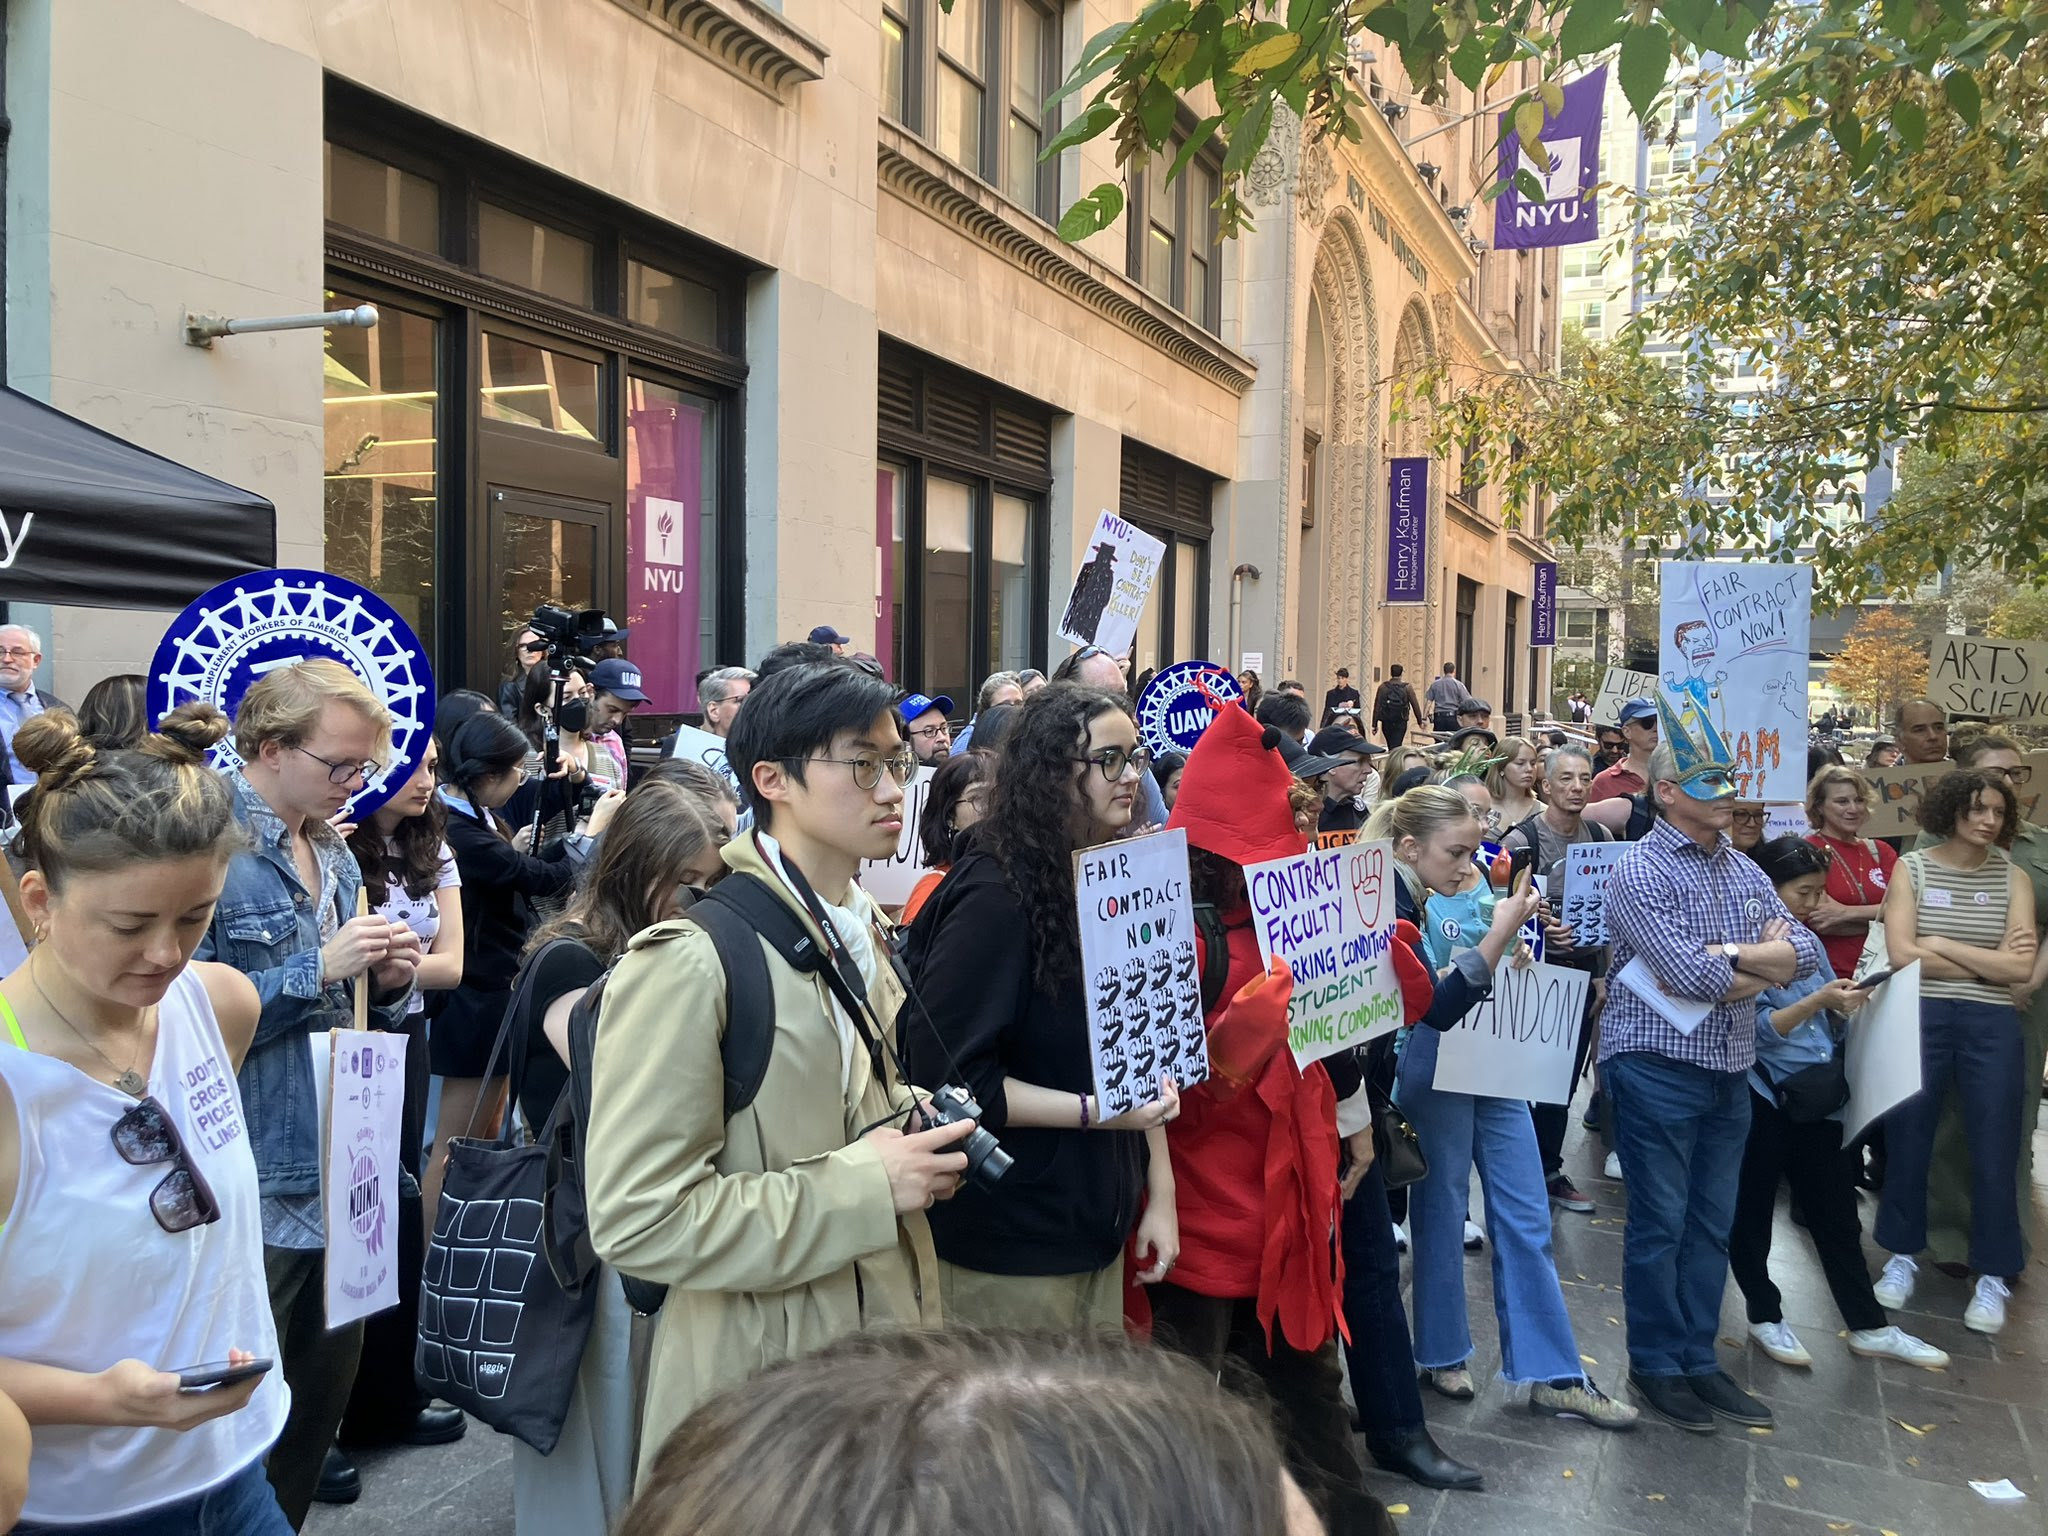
x,y
619,678
1638,708
917,704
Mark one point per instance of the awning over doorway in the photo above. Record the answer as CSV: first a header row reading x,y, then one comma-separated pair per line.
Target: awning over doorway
x,y
89,519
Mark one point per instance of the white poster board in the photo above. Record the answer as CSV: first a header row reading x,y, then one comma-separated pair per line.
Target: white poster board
x,y
1251,661
1785,821
1139,965
359,1172
1584,908
1883,1052
1998,679
703,747
890,881
1617,687
1733,648
1112,585
1522,1042
1329,913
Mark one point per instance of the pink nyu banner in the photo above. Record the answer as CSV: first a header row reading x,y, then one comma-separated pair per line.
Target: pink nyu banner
x,y
664,569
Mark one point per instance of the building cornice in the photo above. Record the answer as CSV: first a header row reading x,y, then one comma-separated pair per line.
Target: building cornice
x,y
743,37
918,175
1409,202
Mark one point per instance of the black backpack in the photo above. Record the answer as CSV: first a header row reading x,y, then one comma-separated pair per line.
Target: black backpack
x,y
737,913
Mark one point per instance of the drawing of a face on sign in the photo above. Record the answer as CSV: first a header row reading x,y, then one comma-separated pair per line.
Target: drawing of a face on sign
x,y
1367,869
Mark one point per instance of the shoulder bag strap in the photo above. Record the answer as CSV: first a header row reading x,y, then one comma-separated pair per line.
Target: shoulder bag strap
x,y
522,994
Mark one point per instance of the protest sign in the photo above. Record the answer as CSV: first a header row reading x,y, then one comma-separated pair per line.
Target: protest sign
x,y
1618,686
703,747
890,881
1996,679
1733,639
365,1092
1522,1042
1180,701
1138,958
1785,821
1897,791
1584,908
1882,1051
1112,585
1329,914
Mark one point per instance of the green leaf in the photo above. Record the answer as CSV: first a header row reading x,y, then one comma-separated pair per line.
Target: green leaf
x,y
1085,73
1247,137
1268,54
1909,120
1156,111
1529,124
1205,130
1097,119
1961,89
1100,41
1469,62
1847,130
1590,26
1645,56
1552,96
1092,212
1799,133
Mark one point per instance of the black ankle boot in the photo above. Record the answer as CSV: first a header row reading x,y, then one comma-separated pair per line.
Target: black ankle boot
x,y
1421,1460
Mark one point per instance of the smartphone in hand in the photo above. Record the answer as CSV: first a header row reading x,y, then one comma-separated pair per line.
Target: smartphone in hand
x,y
218,1373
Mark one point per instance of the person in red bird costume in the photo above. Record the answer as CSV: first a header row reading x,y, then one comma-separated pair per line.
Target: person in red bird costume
x,y
1258,1167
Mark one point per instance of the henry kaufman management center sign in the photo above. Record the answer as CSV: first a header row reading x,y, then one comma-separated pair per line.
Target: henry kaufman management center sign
x,y
1566,166
1408,530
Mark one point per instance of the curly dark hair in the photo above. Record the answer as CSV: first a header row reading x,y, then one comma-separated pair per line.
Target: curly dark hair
x,y
1950,797
1030,824
413,860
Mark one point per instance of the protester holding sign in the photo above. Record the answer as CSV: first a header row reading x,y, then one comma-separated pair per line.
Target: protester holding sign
x,y
1795,1136
996,959
108,1026
1466,933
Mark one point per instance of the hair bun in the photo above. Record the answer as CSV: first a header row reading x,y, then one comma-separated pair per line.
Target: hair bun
x,y
188,733
50,744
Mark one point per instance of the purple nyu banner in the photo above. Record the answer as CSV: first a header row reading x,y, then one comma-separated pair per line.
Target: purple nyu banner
x,y
1567,213
1408,530
1543,606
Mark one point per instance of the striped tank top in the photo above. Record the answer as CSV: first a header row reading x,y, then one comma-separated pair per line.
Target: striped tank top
x,y
1968,906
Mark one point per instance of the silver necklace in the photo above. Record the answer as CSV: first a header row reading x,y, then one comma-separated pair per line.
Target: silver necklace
x,y
127,1079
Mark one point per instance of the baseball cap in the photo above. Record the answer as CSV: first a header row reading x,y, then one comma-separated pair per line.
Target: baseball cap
x,y
619,678
1638,708
1337,738
825,634
915,704
1302,763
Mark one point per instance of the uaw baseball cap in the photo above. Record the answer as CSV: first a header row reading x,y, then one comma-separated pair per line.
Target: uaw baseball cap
x,y
619,678
915,704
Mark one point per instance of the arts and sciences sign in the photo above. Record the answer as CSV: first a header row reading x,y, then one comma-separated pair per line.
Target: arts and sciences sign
x,y
1408,530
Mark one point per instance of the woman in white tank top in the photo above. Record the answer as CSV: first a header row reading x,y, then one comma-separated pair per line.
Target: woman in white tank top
x,y
131,1248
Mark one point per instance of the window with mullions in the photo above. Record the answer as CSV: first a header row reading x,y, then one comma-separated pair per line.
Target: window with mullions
x,y
1171,501
974,81
1175,251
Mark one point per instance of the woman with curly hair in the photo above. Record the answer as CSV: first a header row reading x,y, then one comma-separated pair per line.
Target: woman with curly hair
x,y
996,955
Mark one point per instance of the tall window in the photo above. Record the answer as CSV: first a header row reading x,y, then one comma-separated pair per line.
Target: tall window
x,y
973,81
1175,252
1512,644
1170,500
1466,628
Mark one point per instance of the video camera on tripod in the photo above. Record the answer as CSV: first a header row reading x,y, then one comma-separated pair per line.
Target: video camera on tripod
x,y
571,635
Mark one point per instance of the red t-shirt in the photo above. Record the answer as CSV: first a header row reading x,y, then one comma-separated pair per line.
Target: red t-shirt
x,y
1857,877
1613,783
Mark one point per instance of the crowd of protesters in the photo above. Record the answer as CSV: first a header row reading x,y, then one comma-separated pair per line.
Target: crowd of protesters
x,y
804,1273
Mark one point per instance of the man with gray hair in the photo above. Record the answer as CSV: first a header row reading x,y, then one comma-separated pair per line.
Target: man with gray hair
x,y
720,693
1550,834
996,688
21,652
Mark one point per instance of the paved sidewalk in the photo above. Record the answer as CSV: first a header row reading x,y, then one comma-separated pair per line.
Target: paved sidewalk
x,y
1860,1448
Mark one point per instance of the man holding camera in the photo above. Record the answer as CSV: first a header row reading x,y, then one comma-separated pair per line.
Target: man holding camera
x,y
796,1221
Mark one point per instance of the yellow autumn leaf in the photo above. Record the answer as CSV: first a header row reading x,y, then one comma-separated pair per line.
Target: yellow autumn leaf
x,y
1569,1473
1529,128
1552,95
1275,50
1758,1429
1655,1498
1791,1481
1840,1525
1177,57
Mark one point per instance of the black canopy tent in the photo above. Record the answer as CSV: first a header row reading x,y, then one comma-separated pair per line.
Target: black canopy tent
x,y
89,519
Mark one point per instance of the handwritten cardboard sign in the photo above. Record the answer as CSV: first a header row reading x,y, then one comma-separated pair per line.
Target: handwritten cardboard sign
x,y
1899,788
705,748
365,1093
1522,1042
1138,962
890,881
1617,687
1112,585
1584,908
1995,679
1733,649
1329,913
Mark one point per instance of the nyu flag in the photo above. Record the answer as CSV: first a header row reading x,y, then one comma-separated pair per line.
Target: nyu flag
x,y
1408,530
1543,605
1566,214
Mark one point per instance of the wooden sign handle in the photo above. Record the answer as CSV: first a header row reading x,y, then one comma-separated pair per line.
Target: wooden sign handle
x,y
363,981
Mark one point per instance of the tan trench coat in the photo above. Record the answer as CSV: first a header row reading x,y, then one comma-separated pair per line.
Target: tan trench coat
x,y
776,1233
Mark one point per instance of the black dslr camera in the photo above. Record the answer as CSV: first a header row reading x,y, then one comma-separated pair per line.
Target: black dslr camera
x,y
986,1160
569,632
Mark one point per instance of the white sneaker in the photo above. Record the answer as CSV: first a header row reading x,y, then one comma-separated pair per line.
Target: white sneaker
x,y
1400,1239
1779,1342
1894,1343
1613,1168
1476,1239
1894,1287
1986,1311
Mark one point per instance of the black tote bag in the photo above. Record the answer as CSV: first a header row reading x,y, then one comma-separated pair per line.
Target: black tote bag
x,y
499,1337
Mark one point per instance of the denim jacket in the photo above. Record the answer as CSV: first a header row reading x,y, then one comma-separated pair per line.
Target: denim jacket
x,y
1808,1045
266,927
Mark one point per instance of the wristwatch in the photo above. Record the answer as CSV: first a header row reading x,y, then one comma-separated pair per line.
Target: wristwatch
x,y
1733,954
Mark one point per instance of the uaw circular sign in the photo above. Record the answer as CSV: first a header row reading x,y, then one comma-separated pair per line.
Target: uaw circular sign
x,y
1180,701
248,627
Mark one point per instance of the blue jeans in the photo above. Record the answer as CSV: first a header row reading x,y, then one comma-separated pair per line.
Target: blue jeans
x,y
1680,1130
1458,1130
1978,1047
241,1506
1381,1358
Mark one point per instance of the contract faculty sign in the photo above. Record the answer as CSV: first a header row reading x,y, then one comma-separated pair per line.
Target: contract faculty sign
x,y
1329,914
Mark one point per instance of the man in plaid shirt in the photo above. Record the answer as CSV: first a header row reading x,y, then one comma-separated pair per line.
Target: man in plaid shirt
x,y
1695,925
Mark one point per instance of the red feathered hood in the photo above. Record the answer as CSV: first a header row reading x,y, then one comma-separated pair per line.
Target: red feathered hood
x,y
1233,793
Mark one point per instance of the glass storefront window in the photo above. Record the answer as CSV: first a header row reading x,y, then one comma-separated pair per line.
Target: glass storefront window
x,y
535,255
664,301
1009,585
382,200
671,540
948,585
539,557
381,432
534,386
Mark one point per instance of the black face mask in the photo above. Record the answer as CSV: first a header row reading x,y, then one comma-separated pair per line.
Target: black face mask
x,y
574,717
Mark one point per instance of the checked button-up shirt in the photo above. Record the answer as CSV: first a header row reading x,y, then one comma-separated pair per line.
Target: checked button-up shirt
x,y
1667,900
